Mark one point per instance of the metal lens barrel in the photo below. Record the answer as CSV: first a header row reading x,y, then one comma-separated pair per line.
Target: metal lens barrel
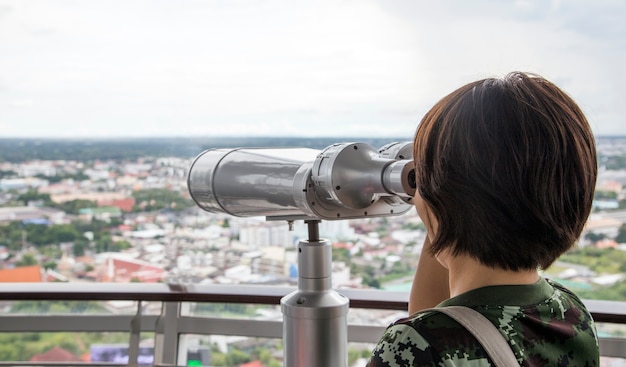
x,y
247,181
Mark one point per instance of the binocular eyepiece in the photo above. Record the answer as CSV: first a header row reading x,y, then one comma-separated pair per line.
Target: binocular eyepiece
x,y
343,181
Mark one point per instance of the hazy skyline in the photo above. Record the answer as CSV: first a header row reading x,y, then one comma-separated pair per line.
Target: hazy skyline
x,y
134,68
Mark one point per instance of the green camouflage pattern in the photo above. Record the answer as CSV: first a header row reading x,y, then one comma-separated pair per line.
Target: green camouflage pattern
x,y
544,323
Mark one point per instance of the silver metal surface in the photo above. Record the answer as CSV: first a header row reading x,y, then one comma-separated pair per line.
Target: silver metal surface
x,y
349,175
315,317
346,180
247,182
397,150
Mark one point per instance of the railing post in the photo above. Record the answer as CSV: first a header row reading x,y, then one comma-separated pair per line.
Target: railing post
x,y
166,335
135,332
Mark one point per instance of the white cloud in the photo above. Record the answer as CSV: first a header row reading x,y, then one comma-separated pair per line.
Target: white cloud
x,y
21,103
277,67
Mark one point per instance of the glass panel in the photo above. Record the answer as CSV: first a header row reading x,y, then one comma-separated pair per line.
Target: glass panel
x,y
118,307
359,353
221,350
612,362
70,307
609,330
232,311
62,347
370,317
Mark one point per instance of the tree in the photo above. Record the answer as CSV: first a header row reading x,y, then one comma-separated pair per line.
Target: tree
x,y
74,206
236,357
43,307
62,233
353,355
341,254
8,173
159,199
27,260
621,234
52,265
371,282
595,237
104,244
218,358
265,356
606,195
34,195
78,249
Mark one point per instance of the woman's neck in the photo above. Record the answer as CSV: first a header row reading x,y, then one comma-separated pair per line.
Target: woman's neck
x,y
467,273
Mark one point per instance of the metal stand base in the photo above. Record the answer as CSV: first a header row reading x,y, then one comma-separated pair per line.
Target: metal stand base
x,y
315,326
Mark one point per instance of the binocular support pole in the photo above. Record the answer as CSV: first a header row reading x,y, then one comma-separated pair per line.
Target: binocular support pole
x,y
315,325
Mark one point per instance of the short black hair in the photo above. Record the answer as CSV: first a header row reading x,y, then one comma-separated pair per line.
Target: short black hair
x,y
508,168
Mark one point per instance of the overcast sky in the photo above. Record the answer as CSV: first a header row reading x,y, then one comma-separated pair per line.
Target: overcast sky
x,y
134,68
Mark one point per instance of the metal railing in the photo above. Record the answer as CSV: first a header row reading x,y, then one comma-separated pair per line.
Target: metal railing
x,y
172,322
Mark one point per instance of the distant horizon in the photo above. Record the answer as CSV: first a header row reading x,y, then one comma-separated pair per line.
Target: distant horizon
x,y
21,149
229,137
235,137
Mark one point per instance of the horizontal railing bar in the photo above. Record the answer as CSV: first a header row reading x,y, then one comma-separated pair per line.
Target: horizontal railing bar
x,y
376,299
87,323
365,333
602,311
220,326
240,293
186,325
607,311
143,292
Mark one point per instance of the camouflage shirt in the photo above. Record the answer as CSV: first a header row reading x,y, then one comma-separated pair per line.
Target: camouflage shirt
x,y
544,323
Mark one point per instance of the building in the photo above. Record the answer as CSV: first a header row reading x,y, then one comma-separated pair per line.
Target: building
x,y
29,213
124,270
56,354
22,274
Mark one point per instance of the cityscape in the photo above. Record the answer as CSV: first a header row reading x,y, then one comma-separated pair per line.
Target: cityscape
x,y
95,215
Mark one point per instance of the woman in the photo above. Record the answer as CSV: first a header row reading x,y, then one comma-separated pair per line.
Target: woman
x,y
506,171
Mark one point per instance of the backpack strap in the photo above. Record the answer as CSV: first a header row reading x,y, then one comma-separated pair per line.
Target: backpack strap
x,y
484,331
